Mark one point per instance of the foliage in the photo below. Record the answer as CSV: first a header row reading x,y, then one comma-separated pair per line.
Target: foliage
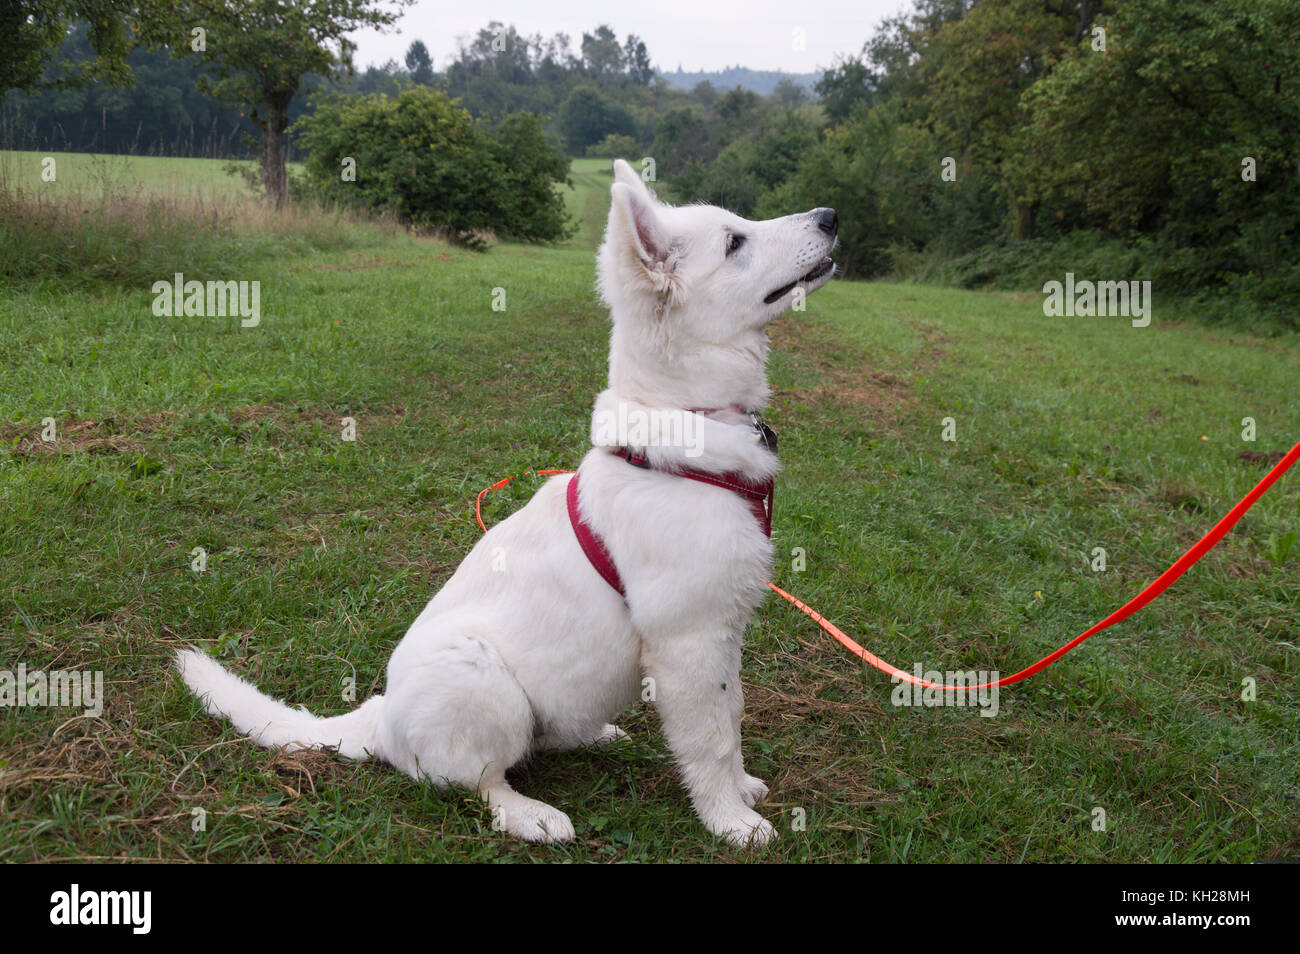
x,y
419,63
964,129
258,51
162,113
587,117
614,146
421,157
960,128
32,31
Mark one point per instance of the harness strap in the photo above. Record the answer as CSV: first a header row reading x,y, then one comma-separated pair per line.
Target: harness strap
x,y
761,498
591,544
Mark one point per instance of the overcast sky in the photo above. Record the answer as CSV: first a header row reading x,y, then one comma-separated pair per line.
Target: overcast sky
x,y
698,34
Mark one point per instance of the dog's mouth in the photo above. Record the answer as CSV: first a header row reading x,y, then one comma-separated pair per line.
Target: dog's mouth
x,y
823,269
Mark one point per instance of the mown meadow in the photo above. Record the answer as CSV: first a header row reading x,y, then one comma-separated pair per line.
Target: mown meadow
x,y
1071,434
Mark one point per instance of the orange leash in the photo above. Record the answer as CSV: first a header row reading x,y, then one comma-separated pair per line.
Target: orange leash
x,y
1150,592
478,501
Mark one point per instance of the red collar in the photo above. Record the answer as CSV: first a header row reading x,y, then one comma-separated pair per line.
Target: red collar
x,y
761,498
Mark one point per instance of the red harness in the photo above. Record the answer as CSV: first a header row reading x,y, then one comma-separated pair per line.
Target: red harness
x,y
761,498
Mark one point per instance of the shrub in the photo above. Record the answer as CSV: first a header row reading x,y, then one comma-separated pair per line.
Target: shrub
x,y
422,158
614,146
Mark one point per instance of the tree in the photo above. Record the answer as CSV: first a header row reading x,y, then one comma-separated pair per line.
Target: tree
x,y
900,52
602,57
31,32
789,93
497,49
844,86
681,137
586,118
419,63
637,58
737,108
259,50
1181,94
161,112
704,92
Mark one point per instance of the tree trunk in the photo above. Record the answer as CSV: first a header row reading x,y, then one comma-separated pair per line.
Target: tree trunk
x,y
1085,21
273,170
1025,214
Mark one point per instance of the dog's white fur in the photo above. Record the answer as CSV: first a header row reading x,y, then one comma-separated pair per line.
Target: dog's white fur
x,y
542,652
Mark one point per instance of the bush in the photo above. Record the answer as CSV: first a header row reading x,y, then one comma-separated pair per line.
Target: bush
x,y
614,146
1265,302
422,158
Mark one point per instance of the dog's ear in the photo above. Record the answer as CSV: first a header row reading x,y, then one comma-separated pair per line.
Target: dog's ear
x,y
636,234
623,172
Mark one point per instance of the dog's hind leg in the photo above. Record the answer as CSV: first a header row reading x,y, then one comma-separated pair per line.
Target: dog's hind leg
x,y
455,715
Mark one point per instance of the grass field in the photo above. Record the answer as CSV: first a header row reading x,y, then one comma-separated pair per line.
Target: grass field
x,y
1071,434
107,174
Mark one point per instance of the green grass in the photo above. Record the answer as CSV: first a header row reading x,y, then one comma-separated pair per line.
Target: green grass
x,y
128,220
588,200
113,174
1071,434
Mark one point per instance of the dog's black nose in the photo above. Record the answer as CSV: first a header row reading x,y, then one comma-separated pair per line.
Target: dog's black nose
x,y
827,220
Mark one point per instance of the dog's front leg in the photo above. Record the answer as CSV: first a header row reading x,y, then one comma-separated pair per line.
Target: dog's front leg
x,y
752,790
697,692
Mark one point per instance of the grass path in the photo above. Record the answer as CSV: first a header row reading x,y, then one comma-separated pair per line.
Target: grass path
x,y
975,553
588,200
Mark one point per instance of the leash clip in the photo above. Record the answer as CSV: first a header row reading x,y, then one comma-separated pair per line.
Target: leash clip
x,y
766,433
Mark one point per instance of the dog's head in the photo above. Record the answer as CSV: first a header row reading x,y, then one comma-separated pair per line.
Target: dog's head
x,y
697,285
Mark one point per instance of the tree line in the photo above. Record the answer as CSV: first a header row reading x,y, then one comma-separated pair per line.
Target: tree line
x,y
1009,141
971,142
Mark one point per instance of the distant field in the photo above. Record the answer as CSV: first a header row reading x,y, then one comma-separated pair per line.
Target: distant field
x,y
977,553
91,174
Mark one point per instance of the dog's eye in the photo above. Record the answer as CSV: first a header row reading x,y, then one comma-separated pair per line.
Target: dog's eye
x,y
734,242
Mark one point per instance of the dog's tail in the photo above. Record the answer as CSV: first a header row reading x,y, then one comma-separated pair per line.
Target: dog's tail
x,y
270,722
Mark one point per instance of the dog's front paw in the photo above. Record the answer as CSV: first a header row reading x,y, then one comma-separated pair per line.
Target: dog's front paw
x,y
747,830
752,790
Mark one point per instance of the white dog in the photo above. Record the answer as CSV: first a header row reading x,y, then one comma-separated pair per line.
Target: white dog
x,y
528,646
